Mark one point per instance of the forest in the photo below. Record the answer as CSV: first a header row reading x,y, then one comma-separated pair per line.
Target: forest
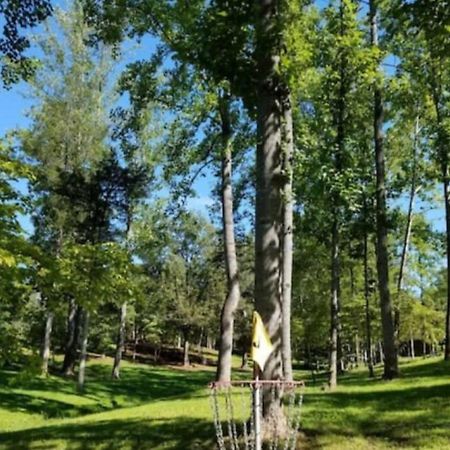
x,y
167,167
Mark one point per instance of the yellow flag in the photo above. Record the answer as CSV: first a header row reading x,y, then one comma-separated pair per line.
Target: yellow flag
x,y
261,345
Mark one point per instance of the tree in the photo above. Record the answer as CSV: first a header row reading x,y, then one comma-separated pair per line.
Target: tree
x,y
17,15
429,52
231,262
66,144
387,320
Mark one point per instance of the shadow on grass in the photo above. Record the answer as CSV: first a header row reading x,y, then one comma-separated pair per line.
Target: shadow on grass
x,y
48,408
138,385
179,434
402,414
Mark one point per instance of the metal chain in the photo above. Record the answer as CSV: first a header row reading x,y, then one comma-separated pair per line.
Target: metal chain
x,y
233,421
217,424
290,418
229,419
296,420
244,420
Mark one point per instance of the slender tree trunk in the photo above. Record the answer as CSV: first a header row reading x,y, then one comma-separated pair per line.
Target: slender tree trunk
x,y
268,187
334,331
337,155
231,264
357,350
288,235
411,341
443,146
46,343
73,328
407,237
186,361
367,308
387,321
83,353
135,340
447,221
120,342
380,349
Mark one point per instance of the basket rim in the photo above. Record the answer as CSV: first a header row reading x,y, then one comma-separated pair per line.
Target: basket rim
x,y
255,383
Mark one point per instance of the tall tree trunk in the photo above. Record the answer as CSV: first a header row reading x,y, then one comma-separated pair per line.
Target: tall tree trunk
x,y
73,329
411,340
408,229
120,342
83,352
357,350
367,308
334,323
447,221
444,143
231,263
288,233
387,321
268,187
46,343
186,361
335,355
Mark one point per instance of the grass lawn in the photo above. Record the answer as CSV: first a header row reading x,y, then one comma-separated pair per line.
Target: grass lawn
x,y
168,408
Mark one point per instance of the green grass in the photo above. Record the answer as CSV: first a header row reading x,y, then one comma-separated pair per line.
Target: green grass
x,y
168,408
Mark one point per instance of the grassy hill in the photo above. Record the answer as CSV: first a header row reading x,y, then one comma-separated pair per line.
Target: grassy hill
x,y
168,408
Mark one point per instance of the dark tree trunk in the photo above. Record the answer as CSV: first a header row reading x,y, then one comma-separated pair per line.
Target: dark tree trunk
x,y
46,342
367,308
288,235
83,352
335,288
268,187
231,264
387,320
120,342
73,328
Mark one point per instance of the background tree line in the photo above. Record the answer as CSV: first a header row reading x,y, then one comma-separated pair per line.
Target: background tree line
x,y
325,129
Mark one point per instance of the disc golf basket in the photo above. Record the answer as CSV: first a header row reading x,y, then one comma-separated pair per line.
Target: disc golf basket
x,y
237,412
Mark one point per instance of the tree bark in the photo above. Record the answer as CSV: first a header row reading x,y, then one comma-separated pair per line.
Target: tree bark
x,y
268,187
73,327
288,235
83,353
120,342
387,321
46,343
186,361
411,341
367,308
231,263
334,323
407,237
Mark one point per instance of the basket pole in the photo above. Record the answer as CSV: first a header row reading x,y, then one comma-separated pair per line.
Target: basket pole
x,y
257,407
